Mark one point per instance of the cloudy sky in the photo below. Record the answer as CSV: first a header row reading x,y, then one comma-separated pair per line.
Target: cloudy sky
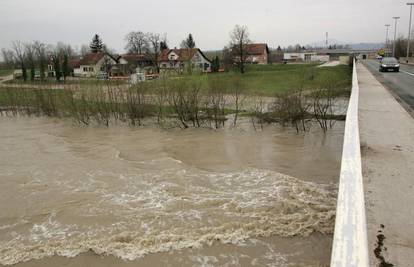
x,y
275,22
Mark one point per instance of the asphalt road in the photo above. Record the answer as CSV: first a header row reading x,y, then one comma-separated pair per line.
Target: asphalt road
x,y
401,83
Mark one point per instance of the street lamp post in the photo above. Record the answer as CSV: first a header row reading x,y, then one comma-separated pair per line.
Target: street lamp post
x,y
386,38
395,35
409,30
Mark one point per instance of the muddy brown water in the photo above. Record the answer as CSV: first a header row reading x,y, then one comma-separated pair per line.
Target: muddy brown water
x,y
122,196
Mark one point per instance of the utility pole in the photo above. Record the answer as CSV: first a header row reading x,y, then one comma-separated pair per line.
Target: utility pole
x,y
326,42
386,38
409,30
395,35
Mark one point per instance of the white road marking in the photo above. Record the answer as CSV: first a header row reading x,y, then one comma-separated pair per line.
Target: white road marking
x,y
409,73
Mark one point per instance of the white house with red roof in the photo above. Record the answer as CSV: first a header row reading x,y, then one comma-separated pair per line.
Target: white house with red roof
x,y
93,64
183,58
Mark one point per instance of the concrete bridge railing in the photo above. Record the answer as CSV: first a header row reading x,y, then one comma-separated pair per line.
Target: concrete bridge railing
x,y
350,245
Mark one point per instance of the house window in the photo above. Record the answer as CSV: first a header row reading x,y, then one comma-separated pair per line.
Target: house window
x,y
163,65
200,65
90,69
103,68
85,69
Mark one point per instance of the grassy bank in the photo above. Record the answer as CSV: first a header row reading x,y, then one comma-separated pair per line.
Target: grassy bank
x,y
5,72
270,79
287,94
265,80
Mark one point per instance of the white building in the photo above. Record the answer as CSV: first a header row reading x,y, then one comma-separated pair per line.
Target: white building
x,y
298,56
93,64
179,60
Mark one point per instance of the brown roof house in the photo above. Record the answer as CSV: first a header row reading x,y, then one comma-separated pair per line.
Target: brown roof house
x,y
95,63
183,59
133,63
256,54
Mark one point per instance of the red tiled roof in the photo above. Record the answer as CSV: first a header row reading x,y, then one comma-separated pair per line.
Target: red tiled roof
x,y
74,63
91,59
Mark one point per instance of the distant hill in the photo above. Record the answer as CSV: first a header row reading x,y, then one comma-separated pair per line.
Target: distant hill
x,y
354,46
366,46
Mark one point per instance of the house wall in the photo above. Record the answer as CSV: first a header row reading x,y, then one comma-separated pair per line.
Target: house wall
x,y
198,62
262,59
300,56
321,58
92,70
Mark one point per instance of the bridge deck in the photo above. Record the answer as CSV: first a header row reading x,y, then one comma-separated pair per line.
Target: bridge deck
x,y
387,147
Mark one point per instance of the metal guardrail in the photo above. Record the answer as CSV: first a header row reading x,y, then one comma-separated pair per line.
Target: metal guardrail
x,y
350,245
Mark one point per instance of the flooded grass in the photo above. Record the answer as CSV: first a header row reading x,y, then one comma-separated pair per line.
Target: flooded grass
x,y
189,101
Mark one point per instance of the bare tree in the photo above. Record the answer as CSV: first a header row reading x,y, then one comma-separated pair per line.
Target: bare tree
x,y
237,92
136,42
20,55
8,57
154,48
84,50
40,50
227,58
64,49
30,56
239,40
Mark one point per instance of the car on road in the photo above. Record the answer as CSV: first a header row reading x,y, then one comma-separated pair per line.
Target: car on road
x,y
389,63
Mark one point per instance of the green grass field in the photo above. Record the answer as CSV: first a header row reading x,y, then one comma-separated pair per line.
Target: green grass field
x,y
271,79
5,72
264,80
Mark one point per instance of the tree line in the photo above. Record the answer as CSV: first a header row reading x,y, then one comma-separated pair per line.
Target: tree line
x,y
32,56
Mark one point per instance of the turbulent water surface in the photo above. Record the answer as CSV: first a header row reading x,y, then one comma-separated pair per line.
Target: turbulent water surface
x,y
165,197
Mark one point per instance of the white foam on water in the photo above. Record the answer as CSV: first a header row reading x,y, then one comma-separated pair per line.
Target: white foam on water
x,y
176,209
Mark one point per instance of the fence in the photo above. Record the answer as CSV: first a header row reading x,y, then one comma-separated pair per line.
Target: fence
x,y
350,245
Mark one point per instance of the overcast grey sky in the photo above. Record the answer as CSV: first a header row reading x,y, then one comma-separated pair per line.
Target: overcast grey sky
x,y
272,21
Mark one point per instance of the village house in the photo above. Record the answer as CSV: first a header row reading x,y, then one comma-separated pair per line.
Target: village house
x,y
257,54
131,63
184,58
93,64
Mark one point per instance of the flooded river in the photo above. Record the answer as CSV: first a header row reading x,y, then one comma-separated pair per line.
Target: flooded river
x,y
122,196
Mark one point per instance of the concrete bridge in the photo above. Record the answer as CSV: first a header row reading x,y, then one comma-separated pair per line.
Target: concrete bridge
x,y
375,212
